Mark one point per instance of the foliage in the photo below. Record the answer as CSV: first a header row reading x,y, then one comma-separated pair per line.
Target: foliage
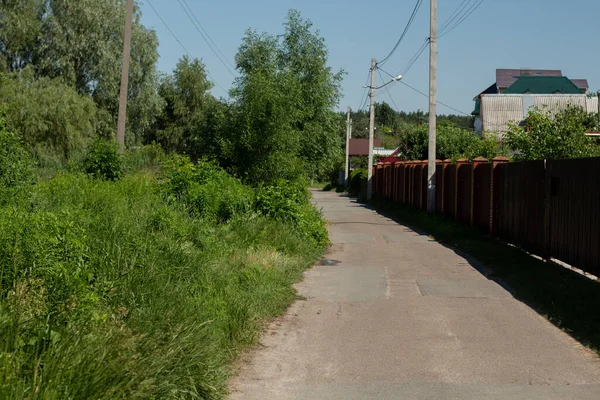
x,y
103,160
51,117
358,182
16,164
547,136
109,289
289,202
284,99
182,126
209,191
80,43
452,143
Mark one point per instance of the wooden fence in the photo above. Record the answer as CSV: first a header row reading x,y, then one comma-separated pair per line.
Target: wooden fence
x,y
550,208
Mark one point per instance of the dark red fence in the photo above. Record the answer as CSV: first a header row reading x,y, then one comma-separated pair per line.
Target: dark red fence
x,y
550,208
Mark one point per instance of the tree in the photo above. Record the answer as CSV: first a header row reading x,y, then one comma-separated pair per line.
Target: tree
x,y
546,136
81,44
283,101
182,125
52,118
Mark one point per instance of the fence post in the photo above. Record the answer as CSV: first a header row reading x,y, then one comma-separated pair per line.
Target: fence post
x,y
494,192
547,253
459,163
447,163
476,163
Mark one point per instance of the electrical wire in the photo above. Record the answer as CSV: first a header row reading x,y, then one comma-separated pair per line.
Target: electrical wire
x,y
205,39
466,15
455,14
364,96
389,93
415,58
408,25
181,44
207,35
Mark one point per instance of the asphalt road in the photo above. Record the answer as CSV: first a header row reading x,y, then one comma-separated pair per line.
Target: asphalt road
x,y
399,316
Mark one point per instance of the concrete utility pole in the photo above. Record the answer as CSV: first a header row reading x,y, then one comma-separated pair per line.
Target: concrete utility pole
x,y
371,132
598,98
431,166
125,76
348,134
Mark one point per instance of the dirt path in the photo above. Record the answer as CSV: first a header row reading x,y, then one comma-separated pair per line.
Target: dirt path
x,y
400,316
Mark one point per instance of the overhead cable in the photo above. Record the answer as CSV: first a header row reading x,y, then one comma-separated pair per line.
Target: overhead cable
x,y
408,25
181,44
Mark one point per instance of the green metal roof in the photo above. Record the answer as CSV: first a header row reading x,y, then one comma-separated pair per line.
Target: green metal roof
x,y
543,85
477,110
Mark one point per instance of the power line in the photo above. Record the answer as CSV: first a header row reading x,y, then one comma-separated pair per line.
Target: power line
x,y
364,95
457,11
415,57
207,35
181,44
466,15
205,39
389,93
439,102
408,25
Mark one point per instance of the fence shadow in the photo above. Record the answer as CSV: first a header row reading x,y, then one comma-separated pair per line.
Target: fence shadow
x,y
566,298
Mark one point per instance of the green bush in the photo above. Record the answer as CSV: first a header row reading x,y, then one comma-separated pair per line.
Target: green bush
x,y
16,165
208,190
110,290
358,182
289,202
103,160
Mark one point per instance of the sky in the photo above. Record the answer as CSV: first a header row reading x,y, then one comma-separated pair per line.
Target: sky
x,y
537,34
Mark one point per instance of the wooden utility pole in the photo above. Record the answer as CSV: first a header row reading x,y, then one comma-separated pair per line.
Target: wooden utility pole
x,y
125,76
371,132
431,165
348,134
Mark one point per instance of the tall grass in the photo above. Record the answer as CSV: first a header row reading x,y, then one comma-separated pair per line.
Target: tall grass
x,y
130,289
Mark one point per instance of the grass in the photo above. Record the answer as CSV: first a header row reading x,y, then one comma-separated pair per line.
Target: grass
x,y
567,299
113,290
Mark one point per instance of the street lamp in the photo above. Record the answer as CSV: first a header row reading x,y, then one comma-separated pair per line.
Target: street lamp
x,y
372,125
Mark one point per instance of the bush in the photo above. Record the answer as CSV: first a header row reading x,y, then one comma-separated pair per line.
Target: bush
x,y
358,182
289,202
16,165
108,290
149,157
103,160
208,190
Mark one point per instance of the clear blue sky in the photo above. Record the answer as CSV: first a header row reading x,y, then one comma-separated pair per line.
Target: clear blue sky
x,y
545,34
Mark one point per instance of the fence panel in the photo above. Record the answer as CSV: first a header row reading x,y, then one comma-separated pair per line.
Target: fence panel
x,y
450,191
521,196
575,212
482,196
463,195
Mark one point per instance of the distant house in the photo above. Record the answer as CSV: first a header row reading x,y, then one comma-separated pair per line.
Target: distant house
x,y
517,90
360,147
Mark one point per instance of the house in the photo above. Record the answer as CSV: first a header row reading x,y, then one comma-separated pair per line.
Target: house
x,y
517,90
360,147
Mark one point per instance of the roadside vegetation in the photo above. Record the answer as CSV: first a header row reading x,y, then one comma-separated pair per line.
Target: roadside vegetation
x,y
142,274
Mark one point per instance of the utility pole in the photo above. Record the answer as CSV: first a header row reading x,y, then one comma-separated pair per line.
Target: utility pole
x,y
348,134
371,132
431,165
598,98
125,76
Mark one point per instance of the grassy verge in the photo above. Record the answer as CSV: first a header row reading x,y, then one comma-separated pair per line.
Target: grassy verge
x,y
143,287
565,298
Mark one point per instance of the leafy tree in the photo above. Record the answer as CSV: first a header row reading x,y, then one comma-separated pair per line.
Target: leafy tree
x,y
284,102
16,164
51,117
81,44
544,136
385,115
182,124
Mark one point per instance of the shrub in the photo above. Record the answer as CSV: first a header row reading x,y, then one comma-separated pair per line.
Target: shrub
x,y
358,182
208,190
289,202
16,165
103,160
